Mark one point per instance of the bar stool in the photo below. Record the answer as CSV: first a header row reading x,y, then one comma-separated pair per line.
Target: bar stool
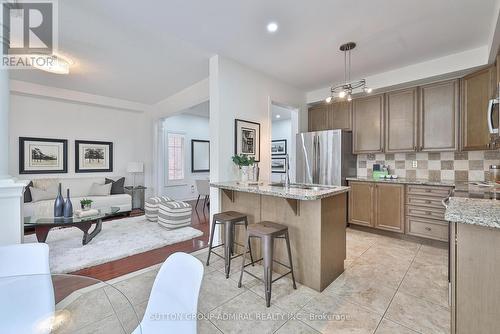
x,y
230,219
267,232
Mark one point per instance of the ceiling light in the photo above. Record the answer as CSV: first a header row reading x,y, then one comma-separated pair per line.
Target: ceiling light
x,y
272,27
278,116
55,63
328,99
348,86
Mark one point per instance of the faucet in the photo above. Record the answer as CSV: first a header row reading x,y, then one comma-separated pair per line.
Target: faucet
x,y
287,168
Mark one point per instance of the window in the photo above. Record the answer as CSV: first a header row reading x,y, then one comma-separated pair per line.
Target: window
x,y
175,156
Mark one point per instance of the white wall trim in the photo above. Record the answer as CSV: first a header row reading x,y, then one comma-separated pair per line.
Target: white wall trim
x,y
436,67
61,94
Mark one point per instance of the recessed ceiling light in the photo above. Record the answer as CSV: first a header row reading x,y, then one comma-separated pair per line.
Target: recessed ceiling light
x,y
272,27
278,116
58,64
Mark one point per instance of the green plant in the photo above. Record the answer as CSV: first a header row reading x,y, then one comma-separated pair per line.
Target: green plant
x,y
86,201
243,160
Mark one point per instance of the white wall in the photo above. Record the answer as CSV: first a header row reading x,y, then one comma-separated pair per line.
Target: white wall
x,y
193,127
42,117
435,68
237,91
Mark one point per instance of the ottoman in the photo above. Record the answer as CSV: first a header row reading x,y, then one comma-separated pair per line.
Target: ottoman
x,y
172,215
151,207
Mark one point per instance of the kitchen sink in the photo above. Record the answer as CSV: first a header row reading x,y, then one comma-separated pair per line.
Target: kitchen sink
x,y
301,186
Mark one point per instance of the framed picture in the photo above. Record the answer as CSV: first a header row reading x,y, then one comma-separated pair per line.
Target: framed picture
x,y
278,165
247,138
93,156
200,156
278,147
42,155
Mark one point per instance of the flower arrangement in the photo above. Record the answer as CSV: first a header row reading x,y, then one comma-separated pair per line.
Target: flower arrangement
x,y
243,160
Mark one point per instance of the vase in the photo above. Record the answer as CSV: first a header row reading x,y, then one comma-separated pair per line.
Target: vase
x,y
68,206
244,173
86,207
59,204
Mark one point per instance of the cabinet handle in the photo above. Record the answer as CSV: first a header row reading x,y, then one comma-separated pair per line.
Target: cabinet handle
x,y
428,213
428,228
428,202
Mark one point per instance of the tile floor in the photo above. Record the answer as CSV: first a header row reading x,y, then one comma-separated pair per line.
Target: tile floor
x,y
389,286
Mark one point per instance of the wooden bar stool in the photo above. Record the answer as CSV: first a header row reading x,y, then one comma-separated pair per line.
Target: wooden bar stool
x,y
230,219
267,232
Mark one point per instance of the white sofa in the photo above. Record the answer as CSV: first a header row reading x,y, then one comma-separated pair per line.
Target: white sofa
x,y
79,189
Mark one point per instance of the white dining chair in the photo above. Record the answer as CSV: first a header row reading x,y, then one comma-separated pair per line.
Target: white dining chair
x,y
173,302
203,189
26,291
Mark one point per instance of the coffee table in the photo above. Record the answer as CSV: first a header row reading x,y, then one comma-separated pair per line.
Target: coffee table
x,y
43,225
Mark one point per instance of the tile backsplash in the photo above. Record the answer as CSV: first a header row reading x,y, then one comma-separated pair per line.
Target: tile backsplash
x,y
435,166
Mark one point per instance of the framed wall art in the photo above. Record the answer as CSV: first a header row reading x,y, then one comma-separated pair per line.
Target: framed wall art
x,y
247,138
278,147
200,156
278,165
93,156
42,155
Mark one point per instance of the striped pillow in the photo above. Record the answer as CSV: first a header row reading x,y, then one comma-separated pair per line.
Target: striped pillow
x,y
151,207
172,215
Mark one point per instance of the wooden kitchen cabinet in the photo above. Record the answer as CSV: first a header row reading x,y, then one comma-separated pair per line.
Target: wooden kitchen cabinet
x,y
318,117
377,205
477,89
340,115
336,115
361,203
389,207
401,121
368,124
439,117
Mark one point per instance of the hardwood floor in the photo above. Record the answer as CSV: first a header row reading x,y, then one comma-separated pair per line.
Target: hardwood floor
x,y
200,220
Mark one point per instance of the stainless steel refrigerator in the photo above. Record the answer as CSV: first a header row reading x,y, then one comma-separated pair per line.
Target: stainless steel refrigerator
x,y
325,157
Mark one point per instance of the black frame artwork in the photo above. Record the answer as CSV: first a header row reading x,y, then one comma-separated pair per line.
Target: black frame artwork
x,y
284,165
193,170
277,141
22,158
79,169
251,126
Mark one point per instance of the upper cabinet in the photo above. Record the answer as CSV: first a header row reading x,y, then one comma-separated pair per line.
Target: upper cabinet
x,y
368,124
336,115
318,116
439,116
401,121
340,115
477,89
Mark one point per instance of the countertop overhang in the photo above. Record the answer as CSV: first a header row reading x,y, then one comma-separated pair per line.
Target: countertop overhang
x,y
474,211
279,191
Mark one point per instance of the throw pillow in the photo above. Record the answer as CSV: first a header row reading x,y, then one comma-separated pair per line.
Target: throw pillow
x,y
27,193
100,189
38,194
117,187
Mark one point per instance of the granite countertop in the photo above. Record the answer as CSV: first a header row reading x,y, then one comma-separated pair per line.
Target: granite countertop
x,y
402,180
280,191
482,212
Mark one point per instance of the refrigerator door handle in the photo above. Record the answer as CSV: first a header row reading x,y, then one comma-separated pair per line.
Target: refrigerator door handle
x,y
313,174
318,168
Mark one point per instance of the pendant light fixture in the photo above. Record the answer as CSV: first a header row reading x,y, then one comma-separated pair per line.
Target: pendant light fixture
x,y
348,87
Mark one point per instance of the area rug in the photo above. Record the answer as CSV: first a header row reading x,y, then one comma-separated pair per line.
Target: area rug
x,y
118,239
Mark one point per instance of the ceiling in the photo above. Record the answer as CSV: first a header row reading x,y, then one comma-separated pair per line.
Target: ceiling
x,y
282,112
146,51
201,110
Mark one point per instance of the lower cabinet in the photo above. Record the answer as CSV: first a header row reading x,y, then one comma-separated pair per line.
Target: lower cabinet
x,y
377,205
389,207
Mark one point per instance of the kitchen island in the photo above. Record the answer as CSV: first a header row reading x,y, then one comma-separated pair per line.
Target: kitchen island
x,y
474,264
316,219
